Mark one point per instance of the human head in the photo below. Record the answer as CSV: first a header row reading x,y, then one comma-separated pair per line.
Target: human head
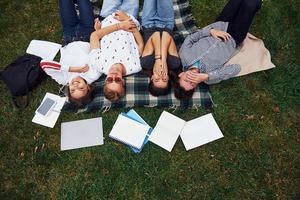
x,y
185,83
79,92
160,84
180,92
114,86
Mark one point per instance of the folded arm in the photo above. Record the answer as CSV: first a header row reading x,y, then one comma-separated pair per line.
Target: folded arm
x,y
98,34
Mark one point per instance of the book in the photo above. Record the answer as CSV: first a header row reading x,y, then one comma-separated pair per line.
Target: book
x,y
50,119
81,133
193,133
129,131
135,116
44,49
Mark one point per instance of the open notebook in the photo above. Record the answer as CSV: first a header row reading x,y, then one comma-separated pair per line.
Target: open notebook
x,y
193,133
129,131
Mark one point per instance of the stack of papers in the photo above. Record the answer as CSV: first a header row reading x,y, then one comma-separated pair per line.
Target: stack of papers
x,y
131,130
81,133
193,133
50,119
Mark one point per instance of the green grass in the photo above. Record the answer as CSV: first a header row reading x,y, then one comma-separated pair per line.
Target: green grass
x,y
258,114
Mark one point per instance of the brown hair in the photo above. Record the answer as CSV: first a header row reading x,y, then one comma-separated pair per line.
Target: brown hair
x,y
179,92
156,91
112,95
83,101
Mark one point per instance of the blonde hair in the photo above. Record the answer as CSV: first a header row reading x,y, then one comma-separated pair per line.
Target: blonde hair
x,y
113,95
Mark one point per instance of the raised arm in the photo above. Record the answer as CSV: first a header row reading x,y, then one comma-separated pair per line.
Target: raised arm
x,y
122,16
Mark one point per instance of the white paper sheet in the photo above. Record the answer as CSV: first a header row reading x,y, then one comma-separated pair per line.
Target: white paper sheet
x,y
52,117
129,131
44,49
200,131
166,131
81,133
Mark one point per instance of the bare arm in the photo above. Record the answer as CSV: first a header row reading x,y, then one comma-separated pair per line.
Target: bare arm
x,y
82,69
139,40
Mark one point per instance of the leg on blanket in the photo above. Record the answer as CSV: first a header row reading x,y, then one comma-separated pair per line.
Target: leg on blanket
x,y
110,6
131,7
149,13
72,25
239,26
158,13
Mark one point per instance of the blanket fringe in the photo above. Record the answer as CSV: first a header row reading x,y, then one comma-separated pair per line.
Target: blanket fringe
x,y
214,105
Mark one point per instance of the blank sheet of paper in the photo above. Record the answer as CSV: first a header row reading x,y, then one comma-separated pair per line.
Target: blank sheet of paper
x,y
129,131
167,131
200,131
81,133
44,49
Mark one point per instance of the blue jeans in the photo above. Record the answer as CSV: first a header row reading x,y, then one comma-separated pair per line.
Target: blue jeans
x,y
74,27
128,6
158,13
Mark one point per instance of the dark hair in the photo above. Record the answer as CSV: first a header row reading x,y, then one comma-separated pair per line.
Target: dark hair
x,y
157,91
179,92
83,101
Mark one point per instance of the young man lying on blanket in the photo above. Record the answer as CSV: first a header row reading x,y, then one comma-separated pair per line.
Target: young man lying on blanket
x,y
204,53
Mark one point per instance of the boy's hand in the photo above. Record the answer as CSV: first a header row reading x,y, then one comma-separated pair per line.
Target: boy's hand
x,y
121,16
196,77
220,34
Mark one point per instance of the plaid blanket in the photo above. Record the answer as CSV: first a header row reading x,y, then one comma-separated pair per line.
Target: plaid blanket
x,y
137,85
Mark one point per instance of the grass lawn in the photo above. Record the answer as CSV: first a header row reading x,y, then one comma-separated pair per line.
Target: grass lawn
x,y
259,157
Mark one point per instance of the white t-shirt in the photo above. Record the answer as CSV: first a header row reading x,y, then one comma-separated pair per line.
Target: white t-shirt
x,y
75,54
116,47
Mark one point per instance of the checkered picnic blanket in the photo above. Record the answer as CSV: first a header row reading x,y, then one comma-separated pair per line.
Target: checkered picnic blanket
x,y
137,93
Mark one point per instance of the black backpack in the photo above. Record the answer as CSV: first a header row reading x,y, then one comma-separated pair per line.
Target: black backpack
x,y
22,75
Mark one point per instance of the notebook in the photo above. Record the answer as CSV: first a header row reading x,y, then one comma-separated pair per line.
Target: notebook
x,y
193,133
50,119
44,49
81,133
129,131
135,116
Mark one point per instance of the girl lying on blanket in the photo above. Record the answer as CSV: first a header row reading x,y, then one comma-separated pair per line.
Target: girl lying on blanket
x,y
160,55
75,69
118,53
204,53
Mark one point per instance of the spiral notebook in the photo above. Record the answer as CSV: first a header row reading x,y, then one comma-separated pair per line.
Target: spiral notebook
x,y
129,131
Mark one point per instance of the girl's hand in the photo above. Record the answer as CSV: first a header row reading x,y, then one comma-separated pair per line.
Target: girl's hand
x,y
127,25
121,16
84,68
196,77
97,24
220,34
